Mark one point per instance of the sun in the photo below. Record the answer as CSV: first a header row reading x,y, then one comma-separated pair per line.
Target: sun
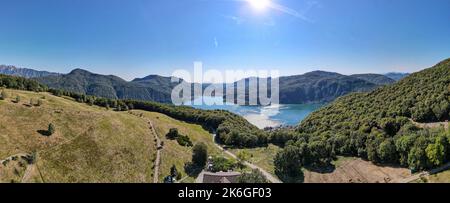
x,y
259,4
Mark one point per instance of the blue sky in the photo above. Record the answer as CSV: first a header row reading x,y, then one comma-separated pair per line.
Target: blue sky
x,y
135,38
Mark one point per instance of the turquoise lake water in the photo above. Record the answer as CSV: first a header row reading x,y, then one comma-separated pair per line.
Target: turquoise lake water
x,y
262,116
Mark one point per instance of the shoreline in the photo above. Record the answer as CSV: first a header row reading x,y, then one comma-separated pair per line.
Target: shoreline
x,y
261,121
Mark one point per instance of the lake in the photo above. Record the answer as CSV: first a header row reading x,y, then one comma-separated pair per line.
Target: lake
x,y
262,116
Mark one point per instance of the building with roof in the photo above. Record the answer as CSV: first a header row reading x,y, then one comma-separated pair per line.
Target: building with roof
x,y
220,177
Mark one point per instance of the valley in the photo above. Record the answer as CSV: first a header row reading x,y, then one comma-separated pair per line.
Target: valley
x,y
51,135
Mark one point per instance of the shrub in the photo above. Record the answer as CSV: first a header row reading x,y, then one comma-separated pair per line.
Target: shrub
x,y
184,141
255,176
51,129
200,154
17,100
222,164
172,134
3,95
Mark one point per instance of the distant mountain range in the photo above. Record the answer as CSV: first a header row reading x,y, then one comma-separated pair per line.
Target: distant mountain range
x,y
312,87
321,86
151,88
397,76
375,78
24,72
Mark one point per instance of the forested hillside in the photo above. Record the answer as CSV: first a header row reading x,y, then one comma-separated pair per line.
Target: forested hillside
x,y
376,126
396,76
375,78
151,88
316,87
313,87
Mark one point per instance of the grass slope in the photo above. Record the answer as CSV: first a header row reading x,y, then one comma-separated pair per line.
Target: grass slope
x,y
261,156
173,153
91,144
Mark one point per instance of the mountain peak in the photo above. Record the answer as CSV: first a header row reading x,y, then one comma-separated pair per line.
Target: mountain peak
x,y
3,67
152,77
322,73
23,72
79,71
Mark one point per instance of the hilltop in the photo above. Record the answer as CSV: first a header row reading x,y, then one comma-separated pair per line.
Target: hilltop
x,y
396,76
375,78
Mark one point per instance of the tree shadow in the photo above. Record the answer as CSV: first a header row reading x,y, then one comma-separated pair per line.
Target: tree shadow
x,y
323,168
44,133
192,170
300,178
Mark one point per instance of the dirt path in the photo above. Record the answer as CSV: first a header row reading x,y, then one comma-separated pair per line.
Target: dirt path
x,y
423,174
28,172
159,148
158,152
268,176
431,125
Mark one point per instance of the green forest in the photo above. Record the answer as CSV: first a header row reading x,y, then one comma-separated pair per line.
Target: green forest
x,y
377,126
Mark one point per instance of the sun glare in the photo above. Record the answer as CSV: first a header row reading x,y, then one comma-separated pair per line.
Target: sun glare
x,y
259,4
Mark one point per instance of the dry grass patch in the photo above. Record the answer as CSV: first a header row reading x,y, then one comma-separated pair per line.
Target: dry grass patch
x,y
356,170
91,144
172,152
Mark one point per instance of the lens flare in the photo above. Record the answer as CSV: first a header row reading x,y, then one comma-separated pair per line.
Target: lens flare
x,y
259,4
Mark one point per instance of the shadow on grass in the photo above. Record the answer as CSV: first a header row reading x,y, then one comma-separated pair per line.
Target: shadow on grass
x,y
299,178
192,170
322,168
44,133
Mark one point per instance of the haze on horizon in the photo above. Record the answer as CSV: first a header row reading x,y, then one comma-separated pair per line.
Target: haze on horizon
x,y
136,38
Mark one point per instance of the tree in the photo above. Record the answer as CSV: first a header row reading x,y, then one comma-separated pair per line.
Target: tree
x,y
417,159
200,154
172,134
51,129
288,164
387,151
3,95
319,152
242,156
256,176
174,171
222,164
403,144
17,99
184,141
437,152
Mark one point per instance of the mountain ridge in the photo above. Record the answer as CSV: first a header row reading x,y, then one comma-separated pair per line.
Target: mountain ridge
x,y
109,86
24,72
312,87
